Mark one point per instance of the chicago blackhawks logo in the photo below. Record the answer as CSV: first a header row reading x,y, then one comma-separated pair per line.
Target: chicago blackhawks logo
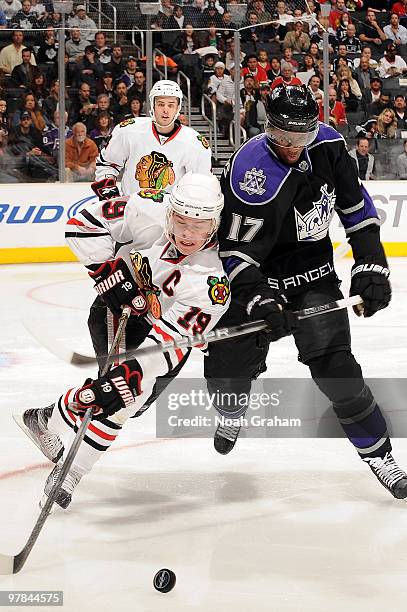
x,y
203,141
314,224
126,122
155,171
152,194
219,290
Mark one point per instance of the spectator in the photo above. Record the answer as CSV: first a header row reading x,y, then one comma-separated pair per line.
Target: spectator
x,y
83,104
3,118
103,52
228,27
314,85
230,55
275,69
50,136
345,95
308,68
12,55
24,19
342,58
287,76
25,143
314,51
212,38
317,37
371,95
53,19
364,161
263,60
40,11
130,71
121,100
3,23
76,45
341,30
103,105
166,8
187,42
364,74
344,72
256,115
48,49
30,105
39,88
248,93
138,90
105,84
400,8
10,8
116,66
336,109
136,109
24,73
366,52
381,104
213,12
254,69
351,41
368,129
402,163
396,32
336,14
399,107
288,57
253,35
85,24
391,65
102,130
371,32
283,17
80,155
387,124
216,78
88,69
225,102
257,6
297,40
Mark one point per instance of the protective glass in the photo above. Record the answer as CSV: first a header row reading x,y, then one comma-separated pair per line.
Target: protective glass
x,y
288,140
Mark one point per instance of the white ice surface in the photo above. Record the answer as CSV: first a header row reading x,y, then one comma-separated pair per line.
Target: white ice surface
x,y
277,525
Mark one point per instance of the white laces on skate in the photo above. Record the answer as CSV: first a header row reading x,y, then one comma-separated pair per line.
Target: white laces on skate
x,y
386,469
70,482
230,432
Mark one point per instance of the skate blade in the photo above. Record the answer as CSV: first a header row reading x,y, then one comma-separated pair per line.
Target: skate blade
x,y
18,419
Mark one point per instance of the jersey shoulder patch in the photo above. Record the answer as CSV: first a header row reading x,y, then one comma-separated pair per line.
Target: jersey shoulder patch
x,y
126,122
204,142
156,195
256,175
219,289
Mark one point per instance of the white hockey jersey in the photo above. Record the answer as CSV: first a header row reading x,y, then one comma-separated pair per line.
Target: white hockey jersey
x,y
192,291
149,159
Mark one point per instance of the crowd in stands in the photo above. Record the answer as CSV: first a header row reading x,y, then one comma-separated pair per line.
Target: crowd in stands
x,y
281,43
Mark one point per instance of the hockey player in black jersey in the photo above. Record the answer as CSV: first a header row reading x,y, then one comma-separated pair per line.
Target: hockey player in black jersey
x,y
281,189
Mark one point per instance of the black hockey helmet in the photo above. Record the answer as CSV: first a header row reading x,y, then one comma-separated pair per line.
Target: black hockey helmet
x,y
291,116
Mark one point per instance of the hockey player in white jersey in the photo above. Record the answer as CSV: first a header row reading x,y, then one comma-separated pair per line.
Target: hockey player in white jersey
x,y
183,273
153,152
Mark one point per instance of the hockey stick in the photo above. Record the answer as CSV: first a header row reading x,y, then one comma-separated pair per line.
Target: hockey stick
x,y
225,333
10,564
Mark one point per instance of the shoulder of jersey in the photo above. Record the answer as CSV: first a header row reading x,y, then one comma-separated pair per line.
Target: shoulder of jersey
x,y
192,135
134,123
326,133
211,280
255,173
144,197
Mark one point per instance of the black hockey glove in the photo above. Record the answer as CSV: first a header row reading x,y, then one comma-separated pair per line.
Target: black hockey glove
x,y
115,283
371,282
106,188
282,322
109,393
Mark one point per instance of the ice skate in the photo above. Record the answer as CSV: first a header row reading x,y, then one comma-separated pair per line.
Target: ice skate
x,y
64,496
34,424
226,435
389,474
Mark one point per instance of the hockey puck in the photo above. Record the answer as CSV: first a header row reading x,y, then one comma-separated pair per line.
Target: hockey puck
x,y
164,580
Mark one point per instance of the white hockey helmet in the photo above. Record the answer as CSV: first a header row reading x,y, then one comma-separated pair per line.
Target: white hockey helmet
x,y
197,196
165,88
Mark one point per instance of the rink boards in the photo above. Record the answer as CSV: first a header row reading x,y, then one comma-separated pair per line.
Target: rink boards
x,y
33,217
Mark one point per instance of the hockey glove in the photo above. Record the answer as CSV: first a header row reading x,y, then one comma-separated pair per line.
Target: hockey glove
x,y
106,188
115,283
109,393
281,322
371,282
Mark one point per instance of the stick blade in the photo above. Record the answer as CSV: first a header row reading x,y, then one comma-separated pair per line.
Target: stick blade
x,y
6,565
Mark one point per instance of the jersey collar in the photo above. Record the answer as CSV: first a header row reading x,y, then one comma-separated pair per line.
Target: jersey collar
x,y
164,138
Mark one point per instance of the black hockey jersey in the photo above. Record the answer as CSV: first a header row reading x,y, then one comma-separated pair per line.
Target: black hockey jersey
x,y
277,217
